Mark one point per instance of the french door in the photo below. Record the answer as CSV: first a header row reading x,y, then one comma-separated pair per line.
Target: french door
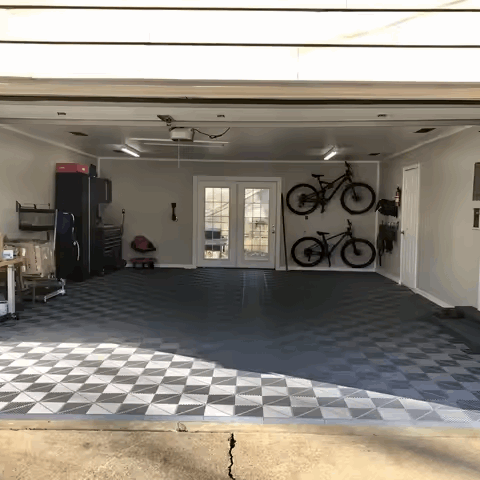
x,y
236,223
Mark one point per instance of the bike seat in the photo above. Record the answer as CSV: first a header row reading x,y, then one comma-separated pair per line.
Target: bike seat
x,y
323,233
314,175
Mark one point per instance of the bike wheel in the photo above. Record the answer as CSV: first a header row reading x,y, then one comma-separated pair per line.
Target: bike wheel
x,y
302,199
358,253
307,251
358,198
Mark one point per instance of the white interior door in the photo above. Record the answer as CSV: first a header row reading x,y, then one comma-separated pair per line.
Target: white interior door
x,y
236,224
256,232
409,228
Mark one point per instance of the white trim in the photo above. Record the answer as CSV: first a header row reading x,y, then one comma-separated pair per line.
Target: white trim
x,y
209,178
411,167
168,265
328,269
50,142
157,159
432,298
394,278
426,142
98,166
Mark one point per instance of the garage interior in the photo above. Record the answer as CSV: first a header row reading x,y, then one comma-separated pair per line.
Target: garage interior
x,y
191,341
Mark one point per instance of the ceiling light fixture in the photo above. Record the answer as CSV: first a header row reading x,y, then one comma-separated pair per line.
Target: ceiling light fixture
x,y
330,154
79,134
374,154
131,151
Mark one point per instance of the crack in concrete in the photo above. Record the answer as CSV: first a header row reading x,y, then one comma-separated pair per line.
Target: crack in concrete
x,y
232,443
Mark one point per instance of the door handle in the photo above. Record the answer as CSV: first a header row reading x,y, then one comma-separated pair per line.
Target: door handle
x,y
403,232
273,228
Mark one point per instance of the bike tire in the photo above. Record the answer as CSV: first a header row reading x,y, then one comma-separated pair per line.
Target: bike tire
x,y
317,243
360,185
289,196
358,240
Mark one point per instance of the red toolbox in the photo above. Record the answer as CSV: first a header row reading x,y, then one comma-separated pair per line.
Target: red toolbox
x,y
72,168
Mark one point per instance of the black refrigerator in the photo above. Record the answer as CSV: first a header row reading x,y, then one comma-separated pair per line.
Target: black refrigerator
x,y
77,193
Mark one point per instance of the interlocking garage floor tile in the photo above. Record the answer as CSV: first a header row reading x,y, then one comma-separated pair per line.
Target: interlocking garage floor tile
x,y
311,347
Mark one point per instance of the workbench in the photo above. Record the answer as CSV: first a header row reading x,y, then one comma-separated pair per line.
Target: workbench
x,y
10,266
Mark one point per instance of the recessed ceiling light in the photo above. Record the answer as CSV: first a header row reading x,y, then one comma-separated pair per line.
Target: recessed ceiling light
x,y
79,134
425,130
374,154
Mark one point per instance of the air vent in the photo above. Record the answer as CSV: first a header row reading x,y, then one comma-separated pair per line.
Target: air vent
x,y
425,130
79,134
374,154
61,113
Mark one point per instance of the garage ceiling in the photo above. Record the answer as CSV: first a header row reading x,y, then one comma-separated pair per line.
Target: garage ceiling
x,y
265,133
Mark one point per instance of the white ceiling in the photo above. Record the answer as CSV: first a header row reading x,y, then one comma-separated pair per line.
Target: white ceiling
x,y
267,143
258,132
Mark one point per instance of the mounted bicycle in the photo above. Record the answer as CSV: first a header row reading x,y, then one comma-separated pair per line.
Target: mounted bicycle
x,y
356,252
356,198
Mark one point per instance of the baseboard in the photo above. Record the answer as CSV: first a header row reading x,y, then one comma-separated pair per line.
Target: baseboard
x,y
394,278
326,269
168,265
432,298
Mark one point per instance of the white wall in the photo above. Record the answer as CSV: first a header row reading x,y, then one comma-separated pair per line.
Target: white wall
x,y
449,249
27,175
146,189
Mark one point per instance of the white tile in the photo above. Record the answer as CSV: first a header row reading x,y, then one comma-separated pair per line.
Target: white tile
x,y
166,390
222,390
117,389
334,412
37,396
68,363
178,372
140,398
113,363
20,386
248,381
23,397
97,410
298,382
3,404
11,356
130,372
140,357
23,362
225,372
69,345
250,400
90,397
199,381
110,407
97,356
30,371
159,365
192,399
327,392
98,379
413,404
148,380
453,415
198,364
276,412
83,350
182,358
304,402
42,370
275,390
169,408
359,402
29,344
219,410
5,349
39,409
109,345
83,371
40,350
123,351
156,409
394,414
61,388
79,398
178,389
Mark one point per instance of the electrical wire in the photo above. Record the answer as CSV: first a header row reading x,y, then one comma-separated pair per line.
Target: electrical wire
x,y
212,137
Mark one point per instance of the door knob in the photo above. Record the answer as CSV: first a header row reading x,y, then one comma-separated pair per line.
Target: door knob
x,y
403,232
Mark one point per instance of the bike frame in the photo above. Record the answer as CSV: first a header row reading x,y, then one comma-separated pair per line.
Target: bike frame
x,y
346,177
328,252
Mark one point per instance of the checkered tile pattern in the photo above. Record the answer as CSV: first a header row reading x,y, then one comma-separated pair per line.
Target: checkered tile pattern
x,y
177,344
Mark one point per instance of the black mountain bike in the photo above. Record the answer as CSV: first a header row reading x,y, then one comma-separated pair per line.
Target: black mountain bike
x,y
356,198
356,252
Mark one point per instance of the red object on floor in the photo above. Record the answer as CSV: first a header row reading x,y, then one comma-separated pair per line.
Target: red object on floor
x,y
144,262
72,168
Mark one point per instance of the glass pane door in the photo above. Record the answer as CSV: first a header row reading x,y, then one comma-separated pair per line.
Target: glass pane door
x,y
257,213
215,208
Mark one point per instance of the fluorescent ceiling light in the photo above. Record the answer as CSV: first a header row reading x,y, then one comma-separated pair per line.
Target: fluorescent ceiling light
x,y
330,154
130,151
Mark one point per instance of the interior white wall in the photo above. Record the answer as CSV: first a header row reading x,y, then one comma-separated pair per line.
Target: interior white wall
x,y
146,189
448,248
27,175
